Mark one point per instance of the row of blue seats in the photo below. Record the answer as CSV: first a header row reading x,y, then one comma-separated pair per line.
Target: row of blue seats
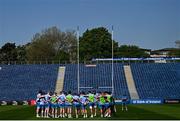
x,y
157,80
22,82
97,78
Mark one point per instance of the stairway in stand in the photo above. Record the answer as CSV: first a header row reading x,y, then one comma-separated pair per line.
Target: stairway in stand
x,y
60,79
130,82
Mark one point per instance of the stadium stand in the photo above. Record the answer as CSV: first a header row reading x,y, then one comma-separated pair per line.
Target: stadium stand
x,y
96,77
157,80
70,79
120,85
22,82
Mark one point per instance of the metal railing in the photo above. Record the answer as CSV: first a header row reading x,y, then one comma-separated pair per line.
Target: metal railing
x,y
81,62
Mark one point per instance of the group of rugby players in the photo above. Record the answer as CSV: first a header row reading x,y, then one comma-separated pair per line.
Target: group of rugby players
x,y
62,105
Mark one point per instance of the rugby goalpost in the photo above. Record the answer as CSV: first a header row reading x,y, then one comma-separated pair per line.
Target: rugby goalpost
x,y
112,64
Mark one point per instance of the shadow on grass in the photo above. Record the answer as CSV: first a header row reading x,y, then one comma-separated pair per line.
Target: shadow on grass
x,y
135,112
19,113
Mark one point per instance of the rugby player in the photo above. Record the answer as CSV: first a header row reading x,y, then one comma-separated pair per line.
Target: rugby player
x,y
69,101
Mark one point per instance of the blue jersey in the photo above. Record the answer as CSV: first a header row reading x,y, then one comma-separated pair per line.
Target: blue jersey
x,y
83,99
62,98
76,98
76,101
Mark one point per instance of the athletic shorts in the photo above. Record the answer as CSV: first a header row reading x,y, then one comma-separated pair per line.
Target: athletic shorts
x,y
76,105
95,104
100,105
67,104
83,106
107,105
110,104
61,105
91,104
54,105
38,104
47,105
124,102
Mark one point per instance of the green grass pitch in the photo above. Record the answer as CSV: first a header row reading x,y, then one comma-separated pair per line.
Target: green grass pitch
x,y
155,111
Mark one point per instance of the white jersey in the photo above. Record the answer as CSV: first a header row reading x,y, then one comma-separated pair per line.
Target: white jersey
x,y
47,97
42,101
96,97
38,97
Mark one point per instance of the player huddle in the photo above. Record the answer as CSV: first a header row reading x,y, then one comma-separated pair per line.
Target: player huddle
x,y
64,104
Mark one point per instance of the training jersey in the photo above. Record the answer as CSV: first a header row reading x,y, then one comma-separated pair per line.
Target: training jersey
x,y
53,99
62,98
69,98
76,98
91,97
102,99
96,97
108,98
42,101
47,97
83,99
38,97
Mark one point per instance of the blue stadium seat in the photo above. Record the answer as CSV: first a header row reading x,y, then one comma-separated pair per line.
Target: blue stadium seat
x,y
97,77
157,80
22,82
